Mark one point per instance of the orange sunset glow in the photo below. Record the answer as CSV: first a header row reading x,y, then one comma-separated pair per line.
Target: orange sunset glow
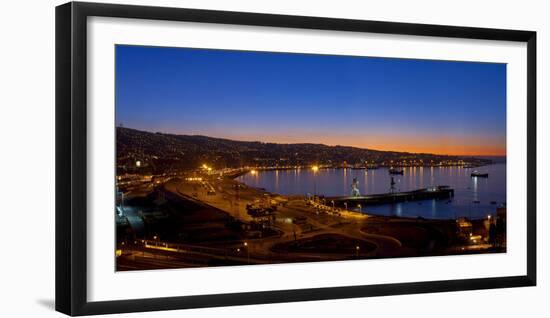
x,y
441,145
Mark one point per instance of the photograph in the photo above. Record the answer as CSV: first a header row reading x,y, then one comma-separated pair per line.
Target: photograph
x,y
232,157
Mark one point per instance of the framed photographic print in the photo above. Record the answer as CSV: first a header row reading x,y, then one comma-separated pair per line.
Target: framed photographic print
x,y
209,158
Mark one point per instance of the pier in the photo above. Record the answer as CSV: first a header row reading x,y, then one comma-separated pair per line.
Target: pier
x,y
439,192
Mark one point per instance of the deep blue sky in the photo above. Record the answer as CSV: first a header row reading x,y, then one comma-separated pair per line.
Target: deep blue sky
x,y
379,103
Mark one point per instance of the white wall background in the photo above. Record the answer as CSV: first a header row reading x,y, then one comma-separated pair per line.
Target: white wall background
x,y
27,157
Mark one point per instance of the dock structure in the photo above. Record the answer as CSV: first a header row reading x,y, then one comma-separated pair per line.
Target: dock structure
x,y
438,192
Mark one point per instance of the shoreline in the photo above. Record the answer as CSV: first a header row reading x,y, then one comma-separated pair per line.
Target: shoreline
x,y
323,167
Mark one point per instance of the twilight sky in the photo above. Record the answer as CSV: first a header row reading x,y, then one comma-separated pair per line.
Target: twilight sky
x,y
379,103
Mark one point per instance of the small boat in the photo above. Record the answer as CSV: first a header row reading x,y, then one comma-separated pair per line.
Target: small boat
x,y
476,201
476,174
395,171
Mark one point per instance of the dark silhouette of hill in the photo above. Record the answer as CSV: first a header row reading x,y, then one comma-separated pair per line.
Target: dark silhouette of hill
x,y
160,151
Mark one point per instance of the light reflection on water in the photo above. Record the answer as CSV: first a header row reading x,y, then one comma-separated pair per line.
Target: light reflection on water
x,y
490,192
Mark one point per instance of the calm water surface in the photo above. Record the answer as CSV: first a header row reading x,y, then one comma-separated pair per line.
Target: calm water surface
x,y
489,192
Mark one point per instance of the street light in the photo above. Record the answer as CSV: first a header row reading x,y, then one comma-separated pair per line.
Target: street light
x,y
314,169
357,251
247,252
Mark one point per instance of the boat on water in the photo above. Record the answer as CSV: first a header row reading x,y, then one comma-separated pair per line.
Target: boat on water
x,y
477,174
395,171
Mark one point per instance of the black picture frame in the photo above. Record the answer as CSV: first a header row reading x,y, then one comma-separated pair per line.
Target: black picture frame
x,y
71,157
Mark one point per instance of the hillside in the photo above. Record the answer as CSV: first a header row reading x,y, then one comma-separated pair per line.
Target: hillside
x,y
160,152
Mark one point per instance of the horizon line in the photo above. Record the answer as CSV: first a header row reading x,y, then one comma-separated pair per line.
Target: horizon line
x,y
318,143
